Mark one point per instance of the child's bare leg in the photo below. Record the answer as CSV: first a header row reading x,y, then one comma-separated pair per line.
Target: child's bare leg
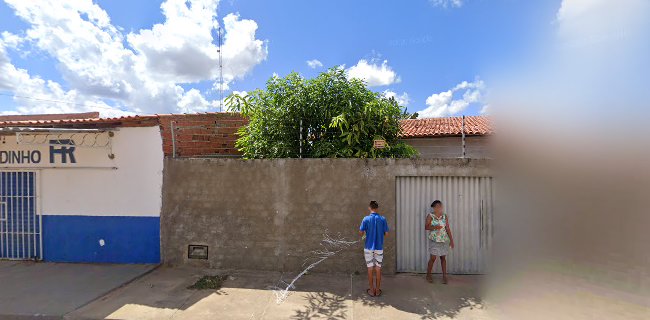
x,y
443,264
432,260
378,287
370,282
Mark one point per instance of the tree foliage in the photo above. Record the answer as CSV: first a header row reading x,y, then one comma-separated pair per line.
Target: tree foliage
x,y
327,116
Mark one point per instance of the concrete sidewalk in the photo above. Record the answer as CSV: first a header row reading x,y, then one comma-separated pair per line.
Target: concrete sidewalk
x,y
29,289
163,294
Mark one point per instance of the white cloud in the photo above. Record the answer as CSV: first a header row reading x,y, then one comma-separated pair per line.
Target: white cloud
x,y
314,64
181,49
373,73
589,22
452,102
193,101
144,77
11,40
402,99
36,95
241,50
447,3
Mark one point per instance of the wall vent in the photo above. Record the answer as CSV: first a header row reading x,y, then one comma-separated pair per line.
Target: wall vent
x,y
195,251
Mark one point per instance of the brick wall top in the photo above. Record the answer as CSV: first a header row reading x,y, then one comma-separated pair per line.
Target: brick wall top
x,y
201,135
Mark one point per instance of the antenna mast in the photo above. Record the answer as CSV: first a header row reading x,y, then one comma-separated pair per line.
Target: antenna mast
x,y
220,70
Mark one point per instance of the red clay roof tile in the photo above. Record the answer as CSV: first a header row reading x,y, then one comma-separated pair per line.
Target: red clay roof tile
x,y
451,126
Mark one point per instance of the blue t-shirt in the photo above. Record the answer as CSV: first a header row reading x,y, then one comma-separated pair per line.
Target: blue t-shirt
x,y
375,226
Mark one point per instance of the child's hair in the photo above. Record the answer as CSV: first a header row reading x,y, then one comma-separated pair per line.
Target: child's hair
x,y
435,203
373,204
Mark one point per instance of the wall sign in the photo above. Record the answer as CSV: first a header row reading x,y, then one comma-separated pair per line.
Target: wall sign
x,y
379,144
64,150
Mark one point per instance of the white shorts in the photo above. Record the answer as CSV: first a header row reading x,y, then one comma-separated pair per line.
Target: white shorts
x,y
373,257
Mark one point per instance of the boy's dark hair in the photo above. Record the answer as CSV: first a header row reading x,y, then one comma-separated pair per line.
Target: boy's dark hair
x,y
435,203
373,204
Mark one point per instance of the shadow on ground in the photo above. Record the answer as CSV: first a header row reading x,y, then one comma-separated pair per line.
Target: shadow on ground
x,y
403,294
426,307
163,294
322,305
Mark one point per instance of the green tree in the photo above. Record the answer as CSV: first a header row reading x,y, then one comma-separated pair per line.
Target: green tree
x,y
327,116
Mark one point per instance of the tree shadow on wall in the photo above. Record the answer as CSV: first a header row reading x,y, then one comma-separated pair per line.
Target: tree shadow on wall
x,y
322,305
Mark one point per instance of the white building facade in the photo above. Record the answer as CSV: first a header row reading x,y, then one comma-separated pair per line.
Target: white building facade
x,y
81,191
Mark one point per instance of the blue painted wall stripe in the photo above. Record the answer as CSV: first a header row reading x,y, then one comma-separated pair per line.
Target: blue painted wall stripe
x,y
77,239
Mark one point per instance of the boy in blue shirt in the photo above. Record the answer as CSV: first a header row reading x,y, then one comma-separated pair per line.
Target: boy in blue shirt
x,y
373,227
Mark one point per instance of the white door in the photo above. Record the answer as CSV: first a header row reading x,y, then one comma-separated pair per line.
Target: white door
x,y
20,225
468,203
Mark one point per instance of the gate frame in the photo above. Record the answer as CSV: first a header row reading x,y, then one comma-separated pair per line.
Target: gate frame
x,y
37,208
484,216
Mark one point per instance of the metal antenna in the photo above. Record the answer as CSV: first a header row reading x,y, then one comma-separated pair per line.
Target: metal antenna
x,y
220,70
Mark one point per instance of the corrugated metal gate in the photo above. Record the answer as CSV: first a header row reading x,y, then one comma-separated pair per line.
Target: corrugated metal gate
x,y
468,202
20,225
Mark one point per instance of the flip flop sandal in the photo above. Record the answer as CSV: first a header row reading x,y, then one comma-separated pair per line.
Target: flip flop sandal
x,y
444,281
430,279
368,292
379,294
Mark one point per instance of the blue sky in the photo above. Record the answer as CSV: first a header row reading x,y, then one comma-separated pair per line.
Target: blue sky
x,y
439,55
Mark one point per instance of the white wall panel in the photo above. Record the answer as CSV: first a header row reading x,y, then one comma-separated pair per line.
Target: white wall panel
x,y
132,189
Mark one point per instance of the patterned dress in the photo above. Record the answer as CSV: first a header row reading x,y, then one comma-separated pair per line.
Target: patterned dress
x,y
438,239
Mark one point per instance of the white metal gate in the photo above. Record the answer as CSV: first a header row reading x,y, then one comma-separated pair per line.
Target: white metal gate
x,y
468,202
20,225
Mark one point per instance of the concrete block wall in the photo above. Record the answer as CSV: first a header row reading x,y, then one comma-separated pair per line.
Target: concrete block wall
x,y
270,214
202,134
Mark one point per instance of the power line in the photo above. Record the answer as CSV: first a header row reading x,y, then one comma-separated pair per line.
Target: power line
x,y
51,100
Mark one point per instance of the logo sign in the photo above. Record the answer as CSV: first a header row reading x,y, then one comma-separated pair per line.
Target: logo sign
x,y
66,151
379,144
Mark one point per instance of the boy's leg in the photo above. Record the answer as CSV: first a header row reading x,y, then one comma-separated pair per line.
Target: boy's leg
x,y
379,258
432,260
443,264
370,282
368,256
378,288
